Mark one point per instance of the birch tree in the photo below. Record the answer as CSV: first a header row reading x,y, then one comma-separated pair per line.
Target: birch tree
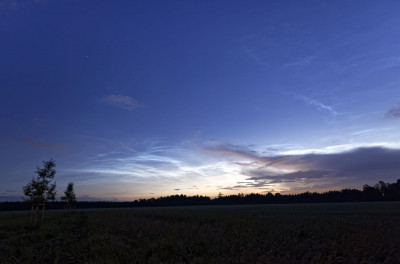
x,y
69,196
40,189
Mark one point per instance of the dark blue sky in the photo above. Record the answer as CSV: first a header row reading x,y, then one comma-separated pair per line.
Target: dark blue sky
x,y
147,98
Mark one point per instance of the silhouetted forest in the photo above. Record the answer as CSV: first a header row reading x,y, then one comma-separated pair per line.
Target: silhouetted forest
x,y
379,192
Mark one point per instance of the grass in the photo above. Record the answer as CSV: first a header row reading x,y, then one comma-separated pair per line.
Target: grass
x,y
301,233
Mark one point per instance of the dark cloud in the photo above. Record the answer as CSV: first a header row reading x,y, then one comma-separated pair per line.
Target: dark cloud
x,y
394,112
359,165
375,163
241,151
245,164
42,145
260,185
259,174
369,163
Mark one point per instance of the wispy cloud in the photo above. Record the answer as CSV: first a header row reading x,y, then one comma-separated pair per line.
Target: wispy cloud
x,y
138,165
254,56
122,101
389,62
394,112
299,63
319,105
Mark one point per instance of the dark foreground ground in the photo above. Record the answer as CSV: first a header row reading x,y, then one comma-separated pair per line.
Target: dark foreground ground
x,y
300,233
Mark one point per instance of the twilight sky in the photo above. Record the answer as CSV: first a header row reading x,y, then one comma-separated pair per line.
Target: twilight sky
x,y
139,99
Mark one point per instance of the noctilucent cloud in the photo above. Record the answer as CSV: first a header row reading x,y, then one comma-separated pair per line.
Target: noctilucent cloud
x,y
139,99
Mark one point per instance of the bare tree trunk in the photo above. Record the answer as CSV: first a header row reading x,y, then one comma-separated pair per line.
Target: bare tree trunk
x,y
32,214
43,212
36,213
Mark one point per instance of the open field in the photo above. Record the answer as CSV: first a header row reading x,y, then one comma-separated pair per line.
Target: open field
x,y
300,233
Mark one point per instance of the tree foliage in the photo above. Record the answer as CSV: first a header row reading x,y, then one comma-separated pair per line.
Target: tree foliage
x,y
40,189
69,196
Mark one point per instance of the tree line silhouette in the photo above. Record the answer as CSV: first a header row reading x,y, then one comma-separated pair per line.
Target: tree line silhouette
x,y
379,192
